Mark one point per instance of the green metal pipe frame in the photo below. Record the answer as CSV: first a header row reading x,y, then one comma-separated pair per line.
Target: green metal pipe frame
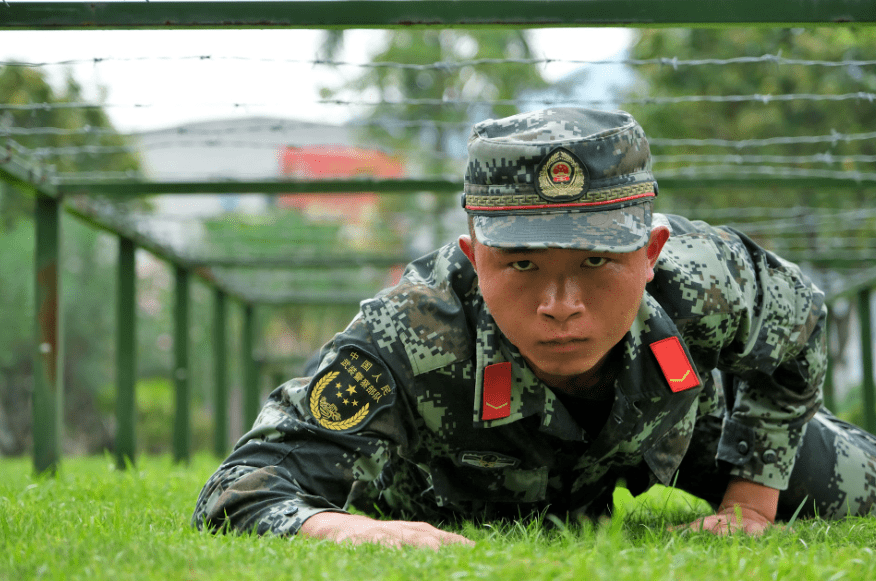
x,y
181,374
248,365
220,375
126,364
828,389
429,13
867,387
48,391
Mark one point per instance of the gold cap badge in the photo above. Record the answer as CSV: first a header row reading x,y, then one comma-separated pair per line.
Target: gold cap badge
x,y
562,177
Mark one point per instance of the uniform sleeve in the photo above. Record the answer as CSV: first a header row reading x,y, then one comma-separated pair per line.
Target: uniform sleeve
x,y
305,454
775,361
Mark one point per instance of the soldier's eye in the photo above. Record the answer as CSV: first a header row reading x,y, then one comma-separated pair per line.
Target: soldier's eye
x,y
523,265
595,261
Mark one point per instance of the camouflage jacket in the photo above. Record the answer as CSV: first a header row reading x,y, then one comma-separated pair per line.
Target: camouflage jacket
x,y
400,398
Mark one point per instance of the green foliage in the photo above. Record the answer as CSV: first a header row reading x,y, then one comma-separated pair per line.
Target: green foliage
x,y
758,120
21,85
94,522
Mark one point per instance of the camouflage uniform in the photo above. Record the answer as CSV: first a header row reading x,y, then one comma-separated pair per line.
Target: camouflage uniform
x,y
423,409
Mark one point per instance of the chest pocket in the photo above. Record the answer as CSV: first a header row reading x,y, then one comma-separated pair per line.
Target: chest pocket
x,y
454,482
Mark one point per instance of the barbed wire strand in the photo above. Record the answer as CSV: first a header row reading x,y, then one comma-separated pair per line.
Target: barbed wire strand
x,y
765,99
674,62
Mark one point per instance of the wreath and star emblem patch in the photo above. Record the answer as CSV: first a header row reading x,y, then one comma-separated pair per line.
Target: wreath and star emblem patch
x,y
562,177
347,394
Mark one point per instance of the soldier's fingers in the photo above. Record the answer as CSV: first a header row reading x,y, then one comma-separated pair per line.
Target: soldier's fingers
x,y
443,537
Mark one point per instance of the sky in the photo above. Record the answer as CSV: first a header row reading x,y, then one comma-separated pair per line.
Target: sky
x,y
169,82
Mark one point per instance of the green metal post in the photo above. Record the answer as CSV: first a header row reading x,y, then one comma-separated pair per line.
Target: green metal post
x,y
827,388
869,393
126,366
829,399
181,426
48,392
248,365
220,377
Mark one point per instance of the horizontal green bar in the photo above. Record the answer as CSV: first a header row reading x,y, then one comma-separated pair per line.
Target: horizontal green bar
x,y
326,261
311,298
721,183
144,188
134,188
429,13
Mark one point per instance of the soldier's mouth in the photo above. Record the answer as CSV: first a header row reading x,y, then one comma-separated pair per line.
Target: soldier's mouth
x,y
565,344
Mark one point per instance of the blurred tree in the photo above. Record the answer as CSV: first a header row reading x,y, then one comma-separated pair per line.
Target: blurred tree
x,y
432,136
88,268
755,119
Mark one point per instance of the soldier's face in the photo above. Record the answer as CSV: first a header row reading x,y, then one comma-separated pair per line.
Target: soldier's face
x,y
563,309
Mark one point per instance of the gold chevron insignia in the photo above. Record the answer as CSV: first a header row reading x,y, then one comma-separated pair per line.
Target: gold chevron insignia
x,y
686,373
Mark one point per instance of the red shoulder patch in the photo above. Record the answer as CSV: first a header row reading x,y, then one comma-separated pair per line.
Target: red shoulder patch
x,y
497,391
675,365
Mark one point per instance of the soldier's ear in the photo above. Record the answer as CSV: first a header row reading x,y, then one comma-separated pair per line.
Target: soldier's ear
x,y
467,247
659,236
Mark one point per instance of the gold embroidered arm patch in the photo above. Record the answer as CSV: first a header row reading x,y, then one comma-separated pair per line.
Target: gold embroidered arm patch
x,y
348,393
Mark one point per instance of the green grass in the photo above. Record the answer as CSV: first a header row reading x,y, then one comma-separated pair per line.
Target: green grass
x,y
94,522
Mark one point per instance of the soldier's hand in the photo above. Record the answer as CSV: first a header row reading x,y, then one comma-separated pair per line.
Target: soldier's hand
x,y
755,504
726,522
357,529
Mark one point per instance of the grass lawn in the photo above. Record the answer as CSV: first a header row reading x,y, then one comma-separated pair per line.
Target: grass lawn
x,y
94,522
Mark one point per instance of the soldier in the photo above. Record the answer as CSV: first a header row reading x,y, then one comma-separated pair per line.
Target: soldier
x,y
573,339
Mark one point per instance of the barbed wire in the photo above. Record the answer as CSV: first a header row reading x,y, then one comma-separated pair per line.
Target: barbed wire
x,y
833,138
271,127
674,62
823,157
682,99
766,213
732,171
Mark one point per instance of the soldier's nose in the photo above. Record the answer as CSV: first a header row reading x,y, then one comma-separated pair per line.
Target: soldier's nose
x,y
561,301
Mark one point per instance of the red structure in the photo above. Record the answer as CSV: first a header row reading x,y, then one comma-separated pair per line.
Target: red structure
x,y
335,161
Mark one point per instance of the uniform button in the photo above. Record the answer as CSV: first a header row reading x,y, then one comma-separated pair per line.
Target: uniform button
x,y
768,457
742,447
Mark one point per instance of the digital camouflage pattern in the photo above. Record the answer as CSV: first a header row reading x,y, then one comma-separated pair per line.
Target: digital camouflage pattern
x,y
749,323
560,178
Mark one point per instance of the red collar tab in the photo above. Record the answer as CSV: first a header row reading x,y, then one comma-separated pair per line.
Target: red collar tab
x,y
675,365
497,391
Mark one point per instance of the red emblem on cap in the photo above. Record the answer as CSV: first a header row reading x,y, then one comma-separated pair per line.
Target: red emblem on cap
x,y
497,391
561,172
675,365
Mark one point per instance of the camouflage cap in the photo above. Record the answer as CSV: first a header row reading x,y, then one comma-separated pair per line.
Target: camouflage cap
x,y
560,178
